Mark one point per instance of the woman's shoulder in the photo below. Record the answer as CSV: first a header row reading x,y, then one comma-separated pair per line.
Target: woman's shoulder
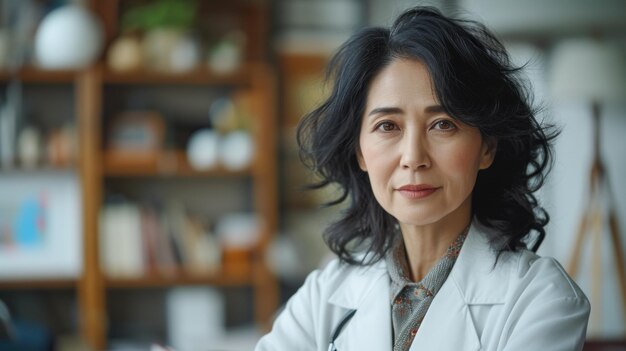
x,y
543,274
341,283
337,272
517,272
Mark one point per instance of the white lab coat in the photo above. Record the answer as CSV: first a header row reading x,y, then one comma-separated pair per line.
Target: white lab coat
x,y
525,303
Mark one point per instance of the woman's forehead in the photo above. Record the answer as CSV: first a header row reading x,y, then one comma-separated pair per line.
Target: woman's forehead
x,y
402,83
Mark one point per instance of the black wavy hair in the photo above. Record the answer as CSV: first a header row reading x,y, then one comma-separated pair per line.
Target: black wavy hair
x,y
476,83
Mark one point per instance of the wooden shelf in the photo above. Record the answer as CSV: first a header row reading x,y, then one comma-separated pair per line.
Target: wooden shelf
x,y
163,164
42,170
31,74
199,76
42,284
159,281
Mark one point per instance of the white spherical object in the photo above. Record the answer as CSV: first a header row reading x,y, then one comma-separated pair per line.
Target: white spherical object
x,y
185,55
158,46
225,59
236,150
239,230
70,37
284,259
202,149
125,54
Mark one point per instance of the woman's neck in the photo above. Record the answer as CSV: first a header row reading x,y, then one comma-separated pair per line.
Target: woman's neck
x,y
426,244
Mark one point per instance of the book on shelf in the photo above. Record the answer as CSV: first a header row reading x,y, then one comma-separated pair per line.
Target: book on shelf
x,y
197,249
139,240
158,251
121,244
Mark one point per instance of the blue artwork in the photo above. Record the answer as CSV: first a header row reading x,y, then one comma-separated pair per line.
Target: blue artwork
x,y
29,225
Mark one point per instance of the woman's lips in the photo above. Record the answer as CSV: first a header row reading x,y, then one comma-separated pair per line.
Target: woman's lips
x,y
417,191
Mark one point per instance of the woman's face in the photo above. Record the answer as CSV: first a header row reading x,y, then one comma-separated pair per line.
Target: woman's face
x,y
422,163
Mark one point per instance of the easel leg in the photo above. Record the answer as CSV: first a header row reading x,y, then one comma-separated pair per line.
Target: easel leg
x,y
619,258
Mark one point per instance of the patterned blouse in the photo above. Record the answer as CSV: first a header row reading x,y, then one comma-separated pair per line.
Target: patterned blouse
x,y
409,300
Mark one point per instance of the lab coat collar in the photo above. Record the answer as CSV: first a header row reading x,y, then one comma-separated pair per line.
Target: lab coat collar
x,y
370,328
474,272
473,280
473,275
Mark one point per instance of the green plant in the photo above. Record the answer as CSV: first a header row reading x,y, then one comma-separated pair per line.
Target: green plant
x,y
160,13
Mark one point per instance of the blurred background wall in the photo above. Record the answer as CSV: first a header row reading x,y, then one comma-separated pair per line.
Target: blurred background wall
x,y
150,185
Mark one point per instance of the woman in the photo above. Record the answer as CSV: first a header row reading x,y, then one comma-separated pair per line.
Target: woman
x,y
431,136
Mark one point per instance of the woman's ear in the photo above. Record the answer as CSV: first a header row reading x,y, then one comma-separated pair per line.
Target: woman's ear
x,y
359,158
488,152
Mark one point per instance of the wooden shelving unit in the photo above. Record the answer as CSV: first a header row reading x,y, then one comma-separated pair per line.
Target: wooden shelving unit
x,y
35,75
172,163
149,281
37,170
195,77
95,166
257,80
38,284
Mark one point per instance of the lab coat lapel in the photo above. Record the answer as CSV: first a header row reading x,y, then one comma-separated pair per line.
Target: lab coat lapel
x,y
448,324
370,328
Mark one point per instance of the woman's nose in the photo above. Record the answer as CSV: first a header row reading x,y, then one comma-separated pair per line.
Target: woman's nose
x,y
414,152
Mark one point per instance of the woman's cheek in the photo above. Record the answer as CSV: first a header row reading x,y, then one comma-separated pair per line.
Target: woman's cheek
x,y
462,158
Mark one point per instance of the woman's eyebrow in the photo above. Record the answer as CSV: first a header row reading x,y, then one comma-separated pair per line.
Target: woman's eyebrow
x,y
434,109
396,110
385,111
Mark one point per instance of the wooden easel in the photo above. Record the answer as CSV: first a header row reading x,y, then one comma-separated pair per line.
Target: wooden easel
x,y
592,220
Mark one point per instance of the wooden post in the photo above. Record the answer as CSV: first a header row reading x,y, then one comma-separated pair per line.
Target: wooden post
x,y
266,202
91,292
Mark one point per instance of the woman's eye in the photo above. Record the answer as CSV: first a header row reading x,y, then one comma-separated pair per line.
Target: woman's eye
x,y
444,125
386,127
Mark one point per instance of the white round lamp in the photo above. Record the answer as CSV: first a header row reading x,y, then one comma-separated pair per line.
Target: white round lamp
x,y
588,70
236,150
203,149
70,37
